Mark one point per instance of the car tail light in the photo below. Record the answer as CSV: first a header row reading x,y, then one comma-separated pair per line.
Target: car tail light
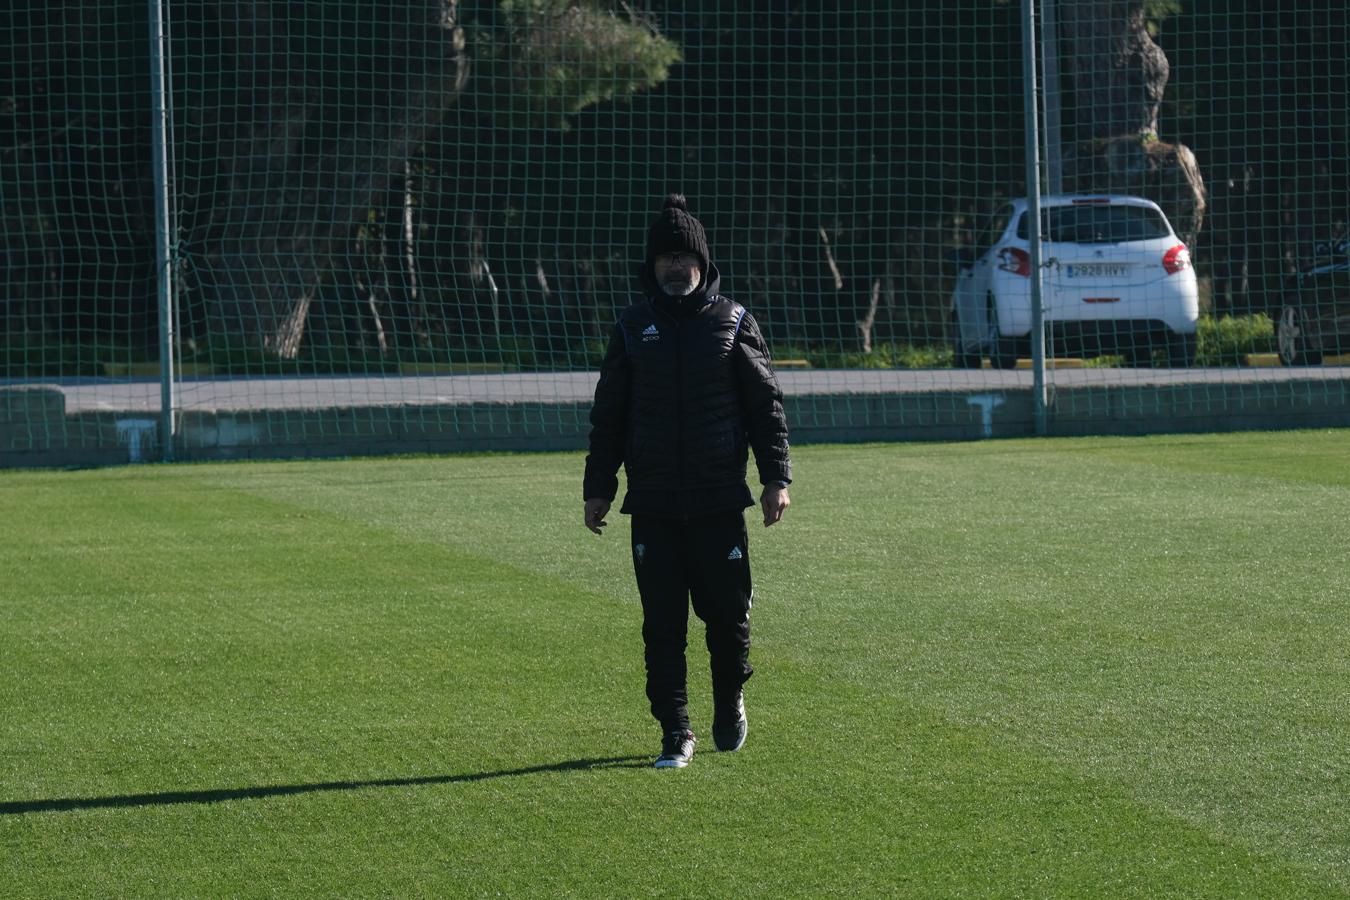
x,y
1011,259
1176,259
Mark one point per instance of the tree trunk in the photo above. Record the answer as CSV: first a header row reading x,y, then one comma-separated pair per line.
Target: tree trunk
x,y
290,215
420,326
1119,76
869,319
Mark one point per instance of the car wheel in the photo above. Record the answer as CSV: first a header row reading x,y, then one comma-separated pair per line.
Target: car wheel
x,y
962,358
1005,353
1181,350
1002,350
1295,345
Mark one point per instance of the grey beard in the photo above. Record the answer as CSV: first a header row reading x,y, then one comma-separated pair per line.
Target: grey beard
x,y
679,288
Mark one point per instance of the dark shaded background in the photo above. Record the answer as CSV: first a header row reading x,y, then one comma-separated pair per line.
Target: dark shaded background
x,y
832,154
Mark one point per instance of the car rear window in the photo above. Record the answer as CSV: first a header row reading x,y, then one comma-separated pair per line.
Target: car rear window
x,y
1099,224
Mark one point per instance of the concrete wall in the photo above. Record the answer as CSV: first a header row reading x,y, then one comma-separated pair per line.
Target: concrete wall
x,y
35,429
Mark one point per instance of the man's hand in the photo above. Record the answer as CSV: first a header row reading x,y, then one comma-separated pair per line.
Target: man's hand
x,y
595,515
774,501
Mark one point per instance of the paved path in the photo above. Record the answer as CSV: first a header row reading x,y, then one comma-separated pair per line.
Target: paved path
x,y
208,395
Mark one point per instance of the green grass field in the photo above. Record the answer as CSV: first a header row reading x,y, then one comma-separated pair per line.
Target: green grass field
x,y
1057,668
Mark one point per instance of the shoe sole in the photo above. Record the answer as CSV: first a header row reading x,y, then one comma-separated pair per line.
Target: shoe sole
x,y
670,764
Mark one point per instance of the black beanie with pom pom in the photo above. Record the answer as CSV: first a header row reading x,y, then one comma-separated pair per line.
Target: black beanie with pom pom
x,y
677,231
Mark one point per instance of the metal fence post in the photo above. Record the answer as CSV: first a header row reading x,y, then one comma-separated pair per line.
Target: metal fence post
x,y
1032,140
164,226
1054,137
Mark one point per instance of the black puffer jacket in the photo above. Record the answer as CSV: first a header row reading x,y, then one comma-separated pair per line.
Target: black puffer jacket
x,y
685,390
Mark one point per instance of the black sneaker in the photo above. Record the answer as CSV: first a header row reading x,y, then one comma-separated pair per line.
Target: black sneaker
x,y
677,748
730,725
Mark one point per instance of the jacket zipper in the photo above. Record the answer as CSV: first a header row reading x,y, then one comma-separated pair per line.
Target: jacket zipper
x,y
679,417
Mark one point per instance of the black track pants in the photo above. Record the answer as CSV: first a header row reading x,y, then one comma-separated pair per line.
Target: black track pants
x,y
707,560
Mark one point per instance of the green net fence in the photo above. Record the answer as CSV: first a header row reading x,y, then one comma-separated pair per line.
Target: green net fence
x,y
410,226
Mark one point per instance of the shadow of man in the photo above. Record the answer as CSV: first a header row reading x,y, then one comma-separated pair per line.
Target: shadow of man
x,y
169,798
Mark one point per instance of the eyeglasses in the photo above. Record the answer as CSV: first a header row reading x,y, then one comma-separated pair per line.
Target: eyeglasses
x,y
687,259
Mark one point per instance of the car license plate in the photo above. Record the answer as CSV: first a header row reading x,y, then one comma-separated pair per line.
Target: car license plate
x,y
1096,270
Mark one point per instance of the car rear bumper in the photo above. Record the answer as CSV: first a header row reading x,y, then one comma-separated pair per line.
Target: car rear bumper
x,y
1172,303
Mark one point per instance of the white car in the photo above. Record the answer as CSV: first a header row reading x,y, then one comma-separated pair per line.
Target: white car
x,y
1116,280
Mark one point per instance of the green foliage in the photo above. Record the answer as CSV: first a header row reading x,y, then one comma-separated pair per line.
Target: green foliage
x,y
538,354
23,356
1108,361
1157,11
1222,341
510,354
883,356
548,59
1226,340
242,354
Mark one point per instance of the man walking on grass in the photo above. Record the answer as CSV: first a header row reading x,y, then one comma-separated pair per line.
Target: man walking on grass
x,y
686,390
